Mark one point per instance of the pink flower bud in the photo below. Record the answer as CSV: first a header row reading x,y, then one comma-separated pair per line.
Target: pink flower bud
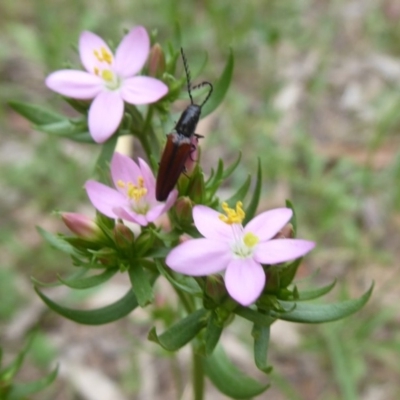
x,y
82,226
124,237
156,61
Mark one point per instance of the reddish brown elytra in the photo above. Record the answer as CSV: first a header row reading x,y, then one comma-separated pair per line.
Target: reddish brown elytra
x,y
180,143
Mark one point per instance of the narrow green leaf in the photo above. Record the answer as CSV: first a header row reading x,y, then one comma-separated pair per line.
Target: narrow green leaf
x,y
98,316
58,242
20,391
240,194
220,87
314,294
182,332
66,127
34,113
261,341
252,207
213,182
229,379
103,161
213,333
229,171
90,281
317,313
141,285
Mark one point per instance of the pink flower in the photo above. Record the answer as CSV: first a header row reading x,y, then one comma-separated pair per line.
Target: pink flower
x,y
109,80
238,250
134,198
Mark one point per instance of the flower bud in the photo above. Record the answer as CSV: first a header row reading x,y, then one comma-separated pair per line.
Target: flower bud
x,y
184,210
83,226
156,61
215,288
285,233
123,236
196,188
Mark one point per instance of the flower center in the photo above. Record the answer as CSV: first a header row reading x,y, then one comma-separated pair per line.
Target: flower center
x,y
111,80
136,194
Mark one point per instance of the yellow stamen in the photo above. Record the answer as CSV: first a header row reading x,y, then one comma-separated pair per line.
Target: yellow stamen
x,y
96,71
103,55
250,240
121,184
107,75
232,216
136,192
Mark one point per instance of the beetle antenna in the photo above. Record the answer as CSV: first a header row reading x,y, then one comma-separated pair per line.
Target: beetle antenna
x,y
187,71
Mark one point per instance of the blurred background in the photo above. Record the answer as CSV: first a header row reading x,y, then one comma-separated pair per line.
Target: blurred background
x,y
315,95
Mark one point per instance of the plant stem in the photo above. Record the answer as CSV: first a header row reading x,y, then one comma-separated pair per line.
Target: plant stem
x,y
197,376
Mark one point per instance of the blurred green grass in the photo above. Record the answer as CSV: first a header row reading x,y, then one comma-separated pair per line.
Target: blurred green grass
x,y
340,165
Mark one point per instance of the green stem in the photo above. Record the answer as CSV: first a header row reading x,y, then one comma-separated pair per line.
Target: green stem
x,y
197,376
103,162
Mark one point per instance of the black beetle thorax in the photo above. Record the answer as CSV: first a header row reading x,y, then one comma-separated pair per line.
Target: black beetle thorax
x,y
188,121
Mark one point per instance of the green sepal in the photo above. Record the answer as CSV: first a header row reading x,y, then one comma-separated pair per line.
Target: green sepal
x,y
252,207
261,336
280,277
22,390
213,333
315,293
254,316
229,379
58,242
90,281
181,332
220,87
98,316
318,313
141,284
35,114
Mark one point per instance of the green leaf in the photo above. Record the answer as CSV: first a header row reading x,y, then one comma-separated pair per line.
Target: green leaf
x,y
58,242
33,113
317,313
314,294
240,194
213,333
252,207
182,332
66,127
103,161
261,340
229,171
229,379
286,274
141,285
98,316
220,87
90,281
20,391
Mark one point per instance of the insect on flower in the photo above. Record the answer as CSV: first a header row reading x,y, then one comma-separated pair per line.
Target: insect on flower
x,y
181,141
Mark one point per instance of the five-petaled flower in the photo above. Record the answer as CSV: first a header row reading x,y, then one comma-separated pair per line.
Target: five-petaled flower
x,y
238,250
109,80
134,198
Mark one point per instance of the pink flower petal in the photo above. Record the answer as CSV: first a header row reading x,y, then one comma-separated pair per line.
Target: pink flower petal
x,y
125,169
199,257
148,176
89,43
157,209
210,226
143,90
75,84
267,224
127,214
104,198
244,280
132,52
281,250
105,115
